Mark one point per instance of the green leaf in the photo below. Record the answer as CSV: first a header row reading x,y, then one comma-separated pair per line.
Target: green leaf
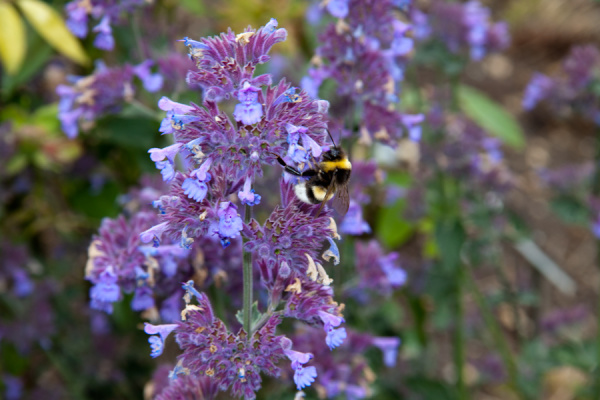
x,y
38,52
491,116
13,42
129,132
51,26
570,209
392,229
256,315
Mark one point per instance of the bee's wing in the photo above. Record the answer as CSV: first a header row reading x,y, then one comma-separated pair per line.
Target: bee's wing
x,y
341,200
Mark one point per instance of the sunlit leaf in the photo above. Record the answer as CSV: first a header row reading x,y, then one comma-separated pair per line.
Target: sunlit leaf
x,y
13,44
491,116
38,53
50,25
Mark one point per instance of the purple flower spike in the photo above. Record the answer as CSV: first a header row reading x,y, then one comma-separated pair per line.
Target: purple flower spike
x,y
104,40
247,195
153,234
168,152
194,189
230,223
152,82
338,8
157,343
389,347
249,111
335,337
166,170
536,90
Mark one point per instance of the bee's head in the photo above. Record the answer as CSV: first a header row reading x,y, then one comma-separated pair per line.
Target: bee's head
x,y
333,154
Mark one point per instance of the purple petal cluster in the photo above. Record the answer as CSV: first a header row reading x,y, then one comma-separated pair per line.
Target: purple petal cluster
x,y
574,90
233,360
345,373
105,13
463,27
365,53
468,152
378,271
88,98
122,259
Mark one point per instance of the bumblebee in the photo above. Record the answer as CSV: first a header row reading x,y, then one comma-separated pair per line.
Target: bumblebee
x,y
328,180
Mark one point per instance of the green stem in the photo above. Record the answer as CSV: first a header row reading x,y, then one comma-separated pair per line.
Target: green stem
x,y
459,337
146,110
500,342
248,285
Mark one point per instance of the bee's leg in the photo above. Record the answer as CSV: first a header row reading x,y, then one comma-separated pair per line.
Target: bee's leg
x,y
292,170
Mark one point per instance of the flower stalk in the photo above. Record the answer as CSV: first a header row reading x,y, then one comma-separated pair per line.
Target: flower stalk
x,y
248,282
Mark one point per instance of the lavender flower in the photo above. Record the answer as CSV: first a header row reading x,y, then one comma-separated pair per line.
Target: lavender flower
x,y
376,270
79,12
230,359
537,89
91,97
463,27
365,55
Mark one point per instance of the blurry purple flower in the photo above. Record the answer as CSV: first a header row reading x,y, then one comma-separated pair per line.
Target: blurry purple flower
x,y
353,223
77,19
413,124
152,82
105,291
596,228
22,283
247,195
389,347
91,97
537,89
338,8
249,110
143,298
13,387
580,65
104,39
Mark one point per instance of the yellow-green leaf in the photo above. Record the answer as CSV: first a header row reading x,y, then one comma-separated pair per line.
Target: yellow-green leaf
x,y
491,116
13,43
50,25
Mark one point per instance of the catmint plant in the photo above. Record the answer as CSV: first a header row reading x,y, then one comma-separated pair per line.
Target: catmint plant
x,y
212,168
